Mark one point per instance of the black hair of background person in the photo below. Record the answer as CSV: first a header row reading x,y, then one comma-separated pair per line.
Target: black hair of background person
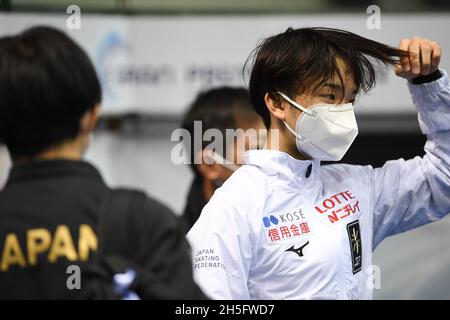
x,y
217,108
47,82
298,69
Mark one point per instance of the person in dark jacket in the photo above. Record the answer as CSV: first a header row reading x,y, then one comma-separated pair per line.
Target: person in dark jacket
x,y
50,100
222,109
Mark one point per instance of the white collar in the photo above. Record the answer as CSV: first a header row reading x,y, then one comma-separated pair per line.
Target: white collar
x,y
281,163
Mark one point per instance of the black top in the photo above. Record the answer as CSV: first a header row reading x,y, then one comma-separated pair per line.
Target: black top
x,y
427,78
194,204
49,213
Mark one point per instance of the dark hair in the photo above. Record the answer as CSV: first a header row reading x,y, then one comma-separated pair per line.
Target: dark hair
x,y
301,59
218,108
47,82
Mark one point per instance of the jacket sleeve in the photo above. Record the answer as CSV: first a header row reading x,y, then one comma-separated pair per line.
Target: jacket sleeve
x,y
161,248
221,251
408,194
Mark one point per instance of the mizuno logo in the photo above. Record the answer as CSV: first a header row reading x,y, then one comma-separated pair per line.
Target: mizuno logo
x,y
298,251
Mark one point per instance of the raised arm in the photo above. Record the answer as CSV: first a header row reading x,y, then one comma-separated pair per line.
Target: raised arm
x,y
407,194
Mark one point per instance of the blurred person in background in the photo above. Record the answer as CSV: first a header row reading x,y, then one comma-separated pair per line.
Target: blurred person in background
x,y
218,108
55,210
285,227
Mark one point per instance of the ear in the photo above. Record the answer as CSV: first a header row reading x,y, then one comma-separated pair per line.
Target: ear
x,y
208,168
89,120
276,106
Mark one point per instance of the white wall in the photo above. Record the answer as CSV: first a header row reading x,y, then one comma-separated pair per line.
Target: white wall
x,y
5,163
142,161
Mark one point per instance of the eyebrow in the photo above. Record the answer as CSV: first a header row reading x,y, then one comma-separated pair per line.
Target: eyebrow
x,y
337,87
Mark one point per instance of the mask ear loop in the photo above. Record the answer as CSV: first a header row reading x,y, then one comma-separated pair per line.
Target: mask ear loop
x,y
299,137
295,104
220,160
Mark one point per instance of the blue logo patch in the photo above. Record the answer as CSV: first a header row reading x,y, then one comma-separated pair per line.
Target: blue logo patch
x,y
268,220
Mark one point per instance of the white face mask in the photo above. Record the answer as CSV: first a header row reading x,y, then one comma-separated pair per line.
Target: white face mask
x,y
324,131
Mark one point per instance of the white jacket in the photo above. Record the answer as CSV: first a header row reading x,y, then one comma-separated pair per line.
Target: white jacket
x,y
278,230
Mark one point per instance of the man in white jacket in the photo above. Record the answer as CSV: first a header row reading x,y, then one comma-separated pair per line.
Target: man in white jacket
x,y
282,226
